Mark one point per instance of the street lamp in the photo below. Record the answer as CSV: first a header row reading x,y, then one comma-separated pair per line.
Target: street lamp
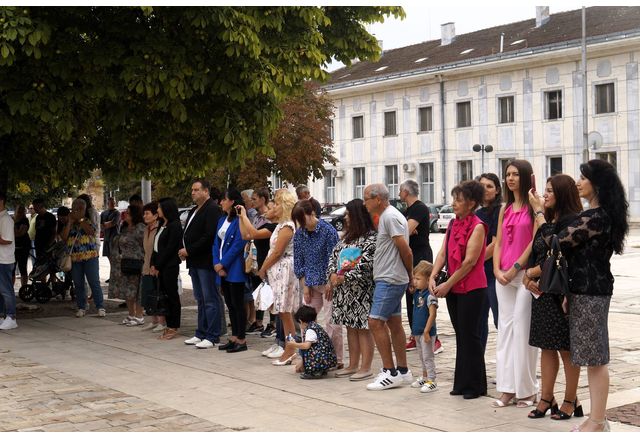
x,y
484,148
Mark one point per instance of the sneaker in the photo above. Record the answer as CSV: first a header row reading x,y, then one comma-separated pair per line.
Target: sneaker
x,y
437,347
8,323
269,331
407,378
1,320
205,344
102,312
428,387
411,346
255,328
159,328
192,341
419,382
276,353
126,320
136,321
80,313
385,380
268,351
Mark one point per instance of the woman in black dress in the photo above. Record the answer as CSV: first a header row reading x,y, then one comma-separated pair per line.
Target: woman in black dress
x,y
588,243
549,322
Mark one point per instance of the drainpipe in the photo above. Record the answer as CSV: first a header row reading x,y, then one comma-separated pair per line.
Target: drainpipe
x,y
443,141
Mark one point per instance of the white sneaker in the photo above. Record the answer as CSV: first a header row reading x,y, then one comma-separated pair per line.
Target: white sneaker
x,y
1,320
276,353
385,380
271,349
126,320
80,313
102,312
428,387
205,344
419,382
136,321
407,378
192,341
159,328
8,323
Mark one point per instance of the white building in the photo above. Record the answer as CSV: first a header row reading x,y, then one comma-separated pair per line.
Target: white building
x,y
418,111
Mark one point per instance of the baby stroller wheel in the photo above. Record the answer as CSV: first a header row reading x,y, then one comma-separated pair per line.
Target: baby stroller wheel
x,y
43,293
26,293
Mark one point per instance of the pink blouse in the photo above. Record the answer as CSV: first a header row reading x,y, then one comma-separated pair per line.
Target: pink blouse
x,y
517,233
459,235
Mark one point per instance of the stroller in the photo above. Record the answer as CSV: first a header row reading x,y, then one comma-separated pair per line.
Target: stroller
x,y
47,280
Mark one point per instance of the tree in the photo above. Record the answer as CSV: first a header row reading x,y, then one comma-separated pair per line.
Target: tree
x,y
166,93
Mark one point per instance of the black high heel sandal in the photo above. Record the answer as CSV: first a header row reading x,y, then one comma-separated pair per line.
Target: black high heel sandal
x,y
562,416
551,405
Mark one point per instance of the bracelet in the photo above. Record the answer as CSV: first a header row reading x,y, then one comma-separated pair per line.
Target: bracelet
x,y
539,212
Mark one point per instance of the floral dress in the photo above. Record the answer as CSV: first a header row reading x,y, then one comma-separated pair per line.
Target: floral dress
x,y
128,244
281,276
352,299
321,356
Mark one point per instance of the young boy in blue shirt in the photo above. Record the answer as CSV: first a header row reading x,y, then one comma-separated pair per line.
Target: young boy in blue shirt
x,y
424,326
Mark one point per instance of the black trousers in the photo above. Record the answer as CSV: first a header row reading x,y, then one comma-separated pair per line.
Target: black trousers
x,y
168,279
234,298
465,311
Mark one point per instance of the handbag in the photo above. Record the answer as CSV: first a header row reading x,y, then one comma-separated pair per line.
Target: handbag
x,y
153,298
443,276
130,266
250,258
555,270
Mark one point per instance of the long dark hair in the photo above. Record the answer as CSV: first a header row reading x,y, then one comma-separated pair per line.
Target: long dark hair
x,y
302,208
135,212
567,198
169,209
524,170
497,201
359,223
235,196
611,197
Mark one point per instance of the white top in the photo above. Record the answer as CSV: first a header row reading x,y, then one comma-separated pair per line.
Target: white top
x,y
7,251
310,335
387,263
222,233
155,240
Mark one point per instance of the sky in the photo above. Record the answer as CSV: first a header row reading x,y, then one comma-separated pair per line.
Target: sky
x,y
423,18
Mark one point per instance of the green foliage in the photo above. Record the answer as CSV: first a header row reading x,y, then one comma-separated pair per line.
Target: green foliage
x,y
167,93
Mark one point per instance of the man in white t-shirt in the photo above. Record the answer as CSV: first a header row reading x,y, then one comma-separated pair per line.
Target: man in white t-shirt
x,y
392,273
7,261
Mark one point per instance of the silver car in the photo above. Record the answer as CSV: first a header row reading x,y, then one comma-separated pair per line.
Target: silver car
x,y
444,217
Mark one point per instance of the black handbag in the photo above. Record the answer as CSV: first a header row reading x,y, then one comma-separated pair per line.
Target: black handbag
x,y
153,298
131,266
555,271
443,276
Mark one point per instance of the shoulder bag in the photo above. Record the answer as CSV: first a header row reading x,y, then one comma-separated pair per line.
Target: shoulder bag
x,y
555,272
443,276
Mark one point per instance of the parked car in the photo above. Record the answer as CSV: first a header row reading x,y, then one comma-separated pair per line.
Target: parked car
x,y
398,204
434,213
444,217
183,213
336,218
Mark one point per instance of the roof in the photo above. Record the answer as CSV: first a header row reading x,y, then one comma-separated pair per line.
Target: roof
x,y
519,37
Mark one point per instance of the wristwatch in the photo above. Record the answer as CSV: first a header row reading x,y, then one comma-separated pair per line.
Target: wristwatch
x,y
517,266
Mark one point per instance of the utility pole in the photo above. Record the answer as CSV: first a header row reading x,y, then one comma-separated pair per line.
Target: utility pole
x,y
145,190
585,121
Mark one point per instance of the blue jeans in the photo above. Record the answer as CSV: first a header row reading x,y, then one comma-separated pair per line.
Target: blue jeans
x,y
7,294
491,304
210,305
387,300
91,270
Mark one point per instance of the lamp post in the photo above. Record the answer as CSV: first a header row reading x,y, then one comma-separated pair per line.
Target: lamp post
x,y
484,148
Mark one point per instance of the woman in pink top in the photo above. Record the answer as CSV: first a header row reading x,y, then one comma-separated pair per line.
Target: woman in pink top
x,y
515,359
466,289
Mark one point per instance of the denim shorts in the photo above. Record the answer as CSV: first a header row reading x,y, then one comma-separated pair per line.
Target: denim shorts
x,y
248,292
387,300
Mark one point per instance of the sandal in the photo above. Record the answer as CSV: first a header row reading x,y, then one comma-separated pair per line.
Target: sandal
x,y
498,403
551,405
360,376
169,334
563,416
604,424
345,373
526,403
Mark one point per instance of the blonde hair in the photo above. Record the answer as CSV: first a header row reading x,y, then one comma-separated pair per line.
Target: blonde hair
x,y
424,268
287,200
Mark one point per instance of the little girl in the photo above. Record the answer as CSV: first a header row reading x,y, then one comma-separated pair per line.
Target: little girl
x,y
424,326
317,352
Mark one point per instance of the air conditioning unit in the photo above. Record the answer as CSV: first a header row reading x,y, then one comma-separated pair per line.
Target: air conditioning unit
x,y
409,168
337,173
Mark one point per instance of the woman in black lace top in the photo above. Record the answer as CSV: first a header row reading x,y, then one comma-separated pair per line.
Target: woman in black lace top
x,y
549,323
589,242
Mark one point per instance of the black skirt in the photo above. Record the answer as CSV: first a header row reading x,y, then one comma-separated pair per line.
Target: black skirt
x,y
549,323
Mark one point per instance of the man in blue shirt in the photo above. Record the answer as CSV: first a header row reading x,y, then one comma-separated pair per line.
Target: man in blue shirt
x,y
313,244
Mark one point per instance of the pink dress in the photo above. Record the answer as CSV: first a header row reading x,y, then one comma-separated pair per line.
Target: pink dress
x,y
517,233
281,277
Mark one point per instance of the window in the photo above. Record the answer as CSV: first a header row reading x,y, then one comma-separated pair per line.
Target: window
x,y
425,119
611,157
553,105
329,187
391,180
505,109
605,99
358,127
277,182
465,170
358,183
390,123
555,166
427,183
503,166
331,132
463,114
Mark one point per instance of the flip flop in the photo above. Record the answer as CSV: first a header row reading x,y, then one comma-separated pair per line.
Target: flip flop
x,y
360,376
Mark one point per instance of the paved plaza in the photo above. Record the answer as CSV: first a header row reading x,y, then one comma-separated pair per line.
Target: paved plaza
x,y
67,374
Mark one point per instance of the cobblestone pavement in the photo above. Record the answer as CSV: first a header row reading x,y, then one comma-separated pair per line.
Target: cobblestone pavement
x,y
627,414
38,398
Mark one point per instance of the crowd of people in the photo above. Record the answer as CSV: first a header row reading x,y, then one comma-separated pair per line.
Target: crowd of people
x,y
319,281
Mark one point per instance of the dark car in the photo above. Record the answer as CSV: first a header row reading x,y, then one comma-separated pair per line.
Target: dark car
x,y
398,204
335,218
434,212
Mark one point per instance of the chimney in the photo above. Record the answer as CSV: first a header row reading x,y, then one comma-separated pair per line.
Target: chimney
x,y
542,15
448,32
